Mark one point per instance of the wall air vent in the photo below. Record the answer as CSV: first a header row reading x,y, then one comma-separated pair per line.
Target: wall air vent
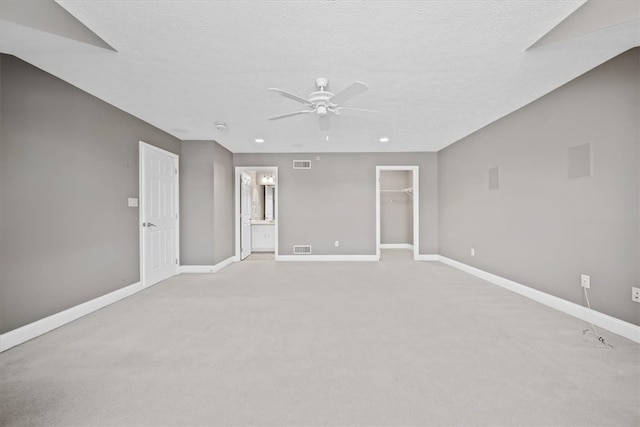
x,y
302,164
301,249
494,178
579,161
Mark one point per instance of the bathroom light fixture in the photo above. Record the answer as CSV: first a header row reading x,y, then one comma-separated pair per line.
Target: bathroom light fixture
x,y
267,180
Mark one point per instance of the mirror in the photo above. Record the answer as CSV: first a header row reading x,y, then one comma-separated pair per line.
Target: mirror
x,y
269,199
263,196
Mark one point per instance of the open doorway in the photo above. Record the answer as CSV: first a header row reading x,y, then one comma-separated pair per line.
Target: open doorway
x,y
397,209
256,207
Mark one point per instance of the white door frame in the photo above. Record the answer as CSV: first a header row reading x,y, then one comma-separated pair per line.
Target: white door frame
x,y
141,205
236,195
246,238
416,206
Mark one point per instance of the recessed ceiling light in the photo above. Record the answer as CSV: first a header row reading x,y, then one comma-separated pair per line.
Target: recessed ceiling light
x,y
384,139
259,140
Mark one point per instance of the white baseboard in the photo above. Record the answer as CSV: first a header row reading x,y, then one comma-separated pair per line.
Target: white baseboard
x,y
326,258
207,268
426,257
42,326
617,326
396,246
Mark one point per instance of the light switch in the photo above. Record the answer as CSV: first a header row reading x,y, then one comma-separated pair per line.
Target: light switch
x,y
132,202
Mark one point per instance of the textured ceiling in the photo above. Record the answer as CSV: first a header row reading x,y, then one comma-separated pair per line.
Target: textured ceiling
x,y
438,70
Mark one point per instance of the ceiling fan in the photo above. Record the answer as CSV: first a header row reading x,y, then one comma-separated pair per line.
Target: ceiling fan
x,y
322,102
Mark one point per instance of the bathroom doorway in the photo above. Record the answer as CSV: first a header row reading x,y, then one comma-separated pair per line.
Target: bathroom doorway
x,y
256,204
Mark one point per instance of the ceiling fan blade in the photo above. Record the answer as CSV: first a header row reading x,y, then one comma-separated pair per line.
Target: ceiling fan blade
x,y
291,96
324,123
290,114
356,88
338,109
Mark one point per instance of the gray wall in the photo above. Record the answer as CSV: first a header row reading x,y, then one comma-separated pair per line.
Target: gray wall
x,y
223,204
68,164
3,317
206,203
541,228
396,209
336,199
196,203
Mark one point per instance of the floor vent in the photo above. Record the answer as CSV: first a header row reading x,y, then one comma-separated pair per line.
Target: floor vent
x,y
302,164
301,249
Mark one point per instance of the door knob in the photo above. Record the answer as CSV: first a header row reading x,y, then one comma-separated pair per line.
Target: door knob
x,y
148,224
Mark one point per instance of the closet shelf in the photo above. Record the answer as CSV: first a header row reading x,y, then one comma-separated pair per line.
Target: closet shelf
x,y
408,191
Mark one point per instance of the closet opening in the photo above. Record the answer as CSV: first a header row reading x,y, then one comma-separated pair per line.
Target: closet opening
x,y
397,209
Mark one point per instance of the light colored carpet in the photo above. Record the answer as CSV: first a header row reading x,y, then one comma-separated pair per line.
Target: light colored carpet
x,y
261,256
262,343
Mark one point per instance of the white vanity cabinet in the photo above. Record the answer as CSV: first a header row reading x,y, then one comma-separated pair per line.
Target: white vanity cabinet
x,y
263,237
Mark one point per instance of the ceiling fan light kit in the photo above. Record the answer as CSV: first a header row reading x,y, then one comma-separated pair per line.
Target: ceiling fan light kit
x,y
322,102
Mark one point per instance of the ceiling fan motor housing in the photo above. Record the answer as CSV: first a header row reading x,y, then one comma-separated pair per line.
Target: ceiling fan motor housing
x,y
320,97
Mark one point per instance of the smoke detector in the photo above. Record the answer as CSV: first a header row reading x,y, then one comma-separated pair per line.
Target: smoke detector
x,y
221,125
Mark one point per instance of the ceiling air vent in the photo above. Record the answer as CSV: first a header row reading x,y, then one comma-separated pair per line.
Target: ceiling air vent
x,y
302,164
301,249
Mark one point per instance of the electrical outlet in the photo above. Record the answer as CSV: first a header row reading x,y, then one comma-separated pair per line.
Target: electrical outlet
x,y
585,281
473,252
635,294
337,243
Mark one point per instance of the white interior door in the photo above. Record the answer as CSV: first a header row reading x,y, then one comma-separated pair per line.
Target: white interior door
x,y
159,214
245,215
